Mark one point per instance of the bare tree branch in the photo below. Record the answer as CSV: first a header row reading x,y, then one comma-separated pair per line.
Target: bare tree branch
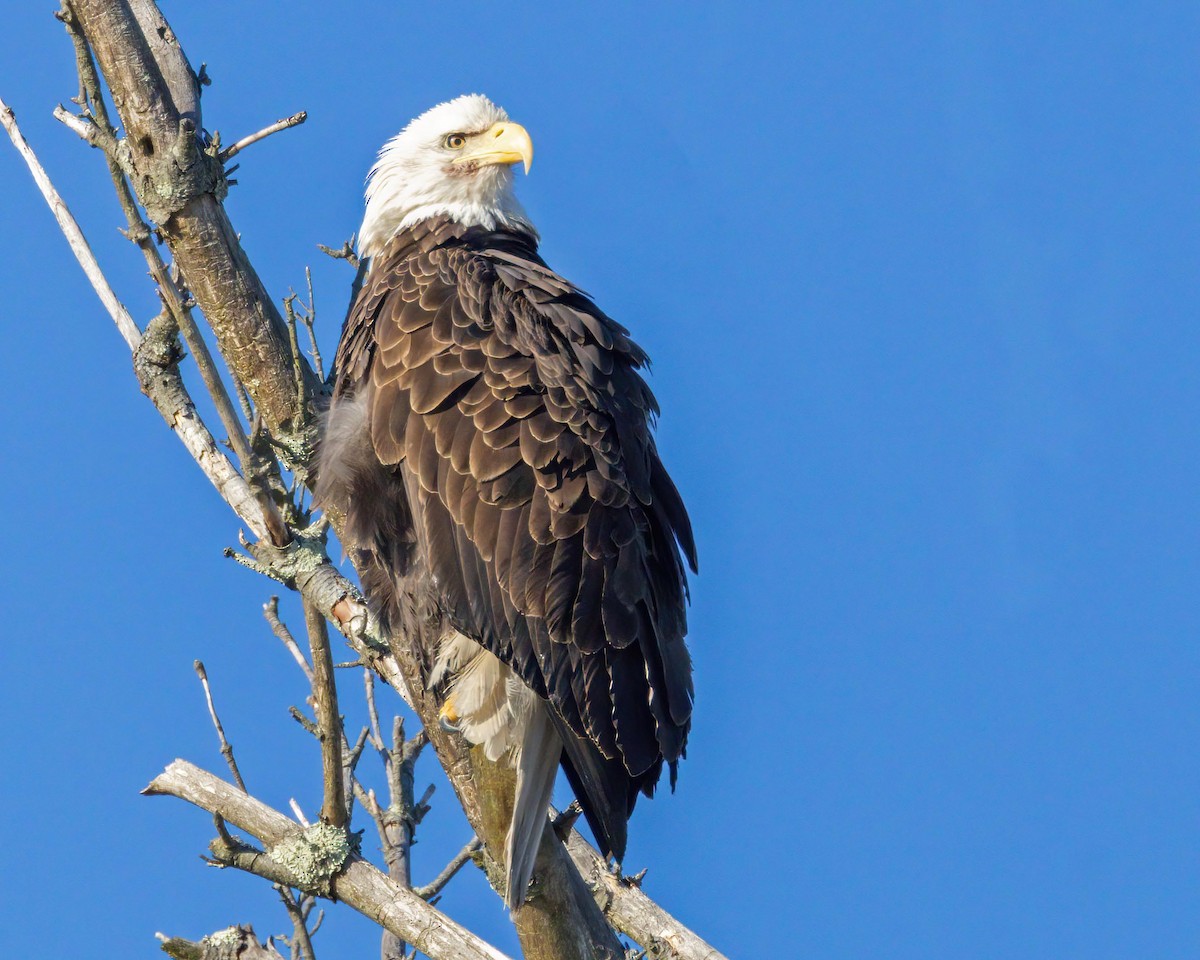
x,y
232,943
359,884
301,939
329,721
308,318
156,364
438,883
632,912
226,748
285,124
344,252
271,612
70,228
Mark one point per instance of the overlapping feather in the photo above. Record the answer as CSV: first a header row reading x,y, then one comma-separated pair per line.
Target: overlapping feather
x,y
513,409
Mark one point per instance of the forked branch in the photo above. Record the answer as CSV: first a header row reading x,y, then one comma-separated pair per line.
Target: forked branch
x,y
358,883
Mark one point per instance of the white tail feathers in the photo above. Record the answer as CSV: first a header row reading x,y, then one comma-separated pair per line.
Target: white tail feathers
x,y
489,705
537,764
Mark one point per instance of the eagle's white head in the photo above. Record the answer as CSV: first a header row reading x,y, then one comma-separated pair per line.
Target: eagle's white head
x,y
454,160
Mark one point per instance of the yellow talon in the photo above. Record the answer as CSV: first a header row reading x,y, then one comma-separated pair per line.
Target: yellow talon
x,y
447,716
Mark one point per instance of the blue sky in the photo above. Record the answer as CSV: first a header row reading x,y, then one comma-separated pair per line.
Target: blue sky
x,y
920,282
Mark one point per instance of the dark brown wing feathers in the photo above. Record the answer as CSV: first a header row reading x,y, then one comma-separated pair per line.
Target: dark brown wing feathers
x,y
514,412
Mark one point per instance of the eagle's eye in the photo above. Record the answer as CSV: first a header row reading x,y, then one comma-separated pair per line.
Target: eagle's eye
x,y
455,141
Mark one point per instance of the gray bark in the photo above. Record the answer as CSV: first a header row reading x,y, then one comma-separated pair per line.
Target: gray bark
x,y
358,883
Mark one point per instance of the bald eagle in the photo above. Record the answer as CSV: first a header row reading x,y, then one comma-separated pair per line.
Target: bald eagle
x,y
490,442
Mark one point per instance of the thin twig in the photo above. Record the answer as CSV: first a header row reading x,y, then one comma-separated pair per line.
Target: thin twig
x,y
309,319
222,830
355,752
300,940
247,410
300,817
87,129
298,715
438,883
70,228
564,823
271,612
289,306
373,716
344,252
350,757
285,124
226,749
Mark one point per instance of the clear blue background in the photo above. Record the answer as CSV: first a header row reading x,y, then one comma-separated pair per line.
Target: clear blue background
x,y
920,281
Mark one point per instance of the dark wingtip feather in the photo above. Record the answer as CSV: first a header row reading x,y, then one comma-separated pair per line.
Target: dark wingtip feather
x,y
671,504
604,789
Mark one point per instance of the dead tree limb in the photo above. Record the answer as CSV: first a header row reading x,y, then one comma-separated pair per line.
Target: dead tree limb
x,y
329,722
630,910
226,746
232,943
300,941
358,883
285,124
181,185
70,228
438,883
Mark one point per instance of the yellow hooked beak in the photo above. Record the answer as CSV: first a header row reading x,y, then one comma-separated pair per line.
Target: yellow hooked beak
x,y
504,142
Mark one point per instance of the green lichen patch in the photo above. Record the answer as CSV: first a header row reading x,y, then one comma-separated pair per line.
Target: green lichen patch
x,y
315,854
227,937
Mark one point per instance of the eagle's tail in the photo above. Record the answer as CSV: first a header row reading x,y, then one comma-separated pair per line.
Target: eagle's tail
x,y
537,764
490,706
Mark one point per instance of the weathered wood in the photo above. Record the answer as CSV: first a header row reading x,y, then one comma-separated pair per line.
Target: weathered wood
x,y
329,721
70,228
181,186
232,943
631,911
359,884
